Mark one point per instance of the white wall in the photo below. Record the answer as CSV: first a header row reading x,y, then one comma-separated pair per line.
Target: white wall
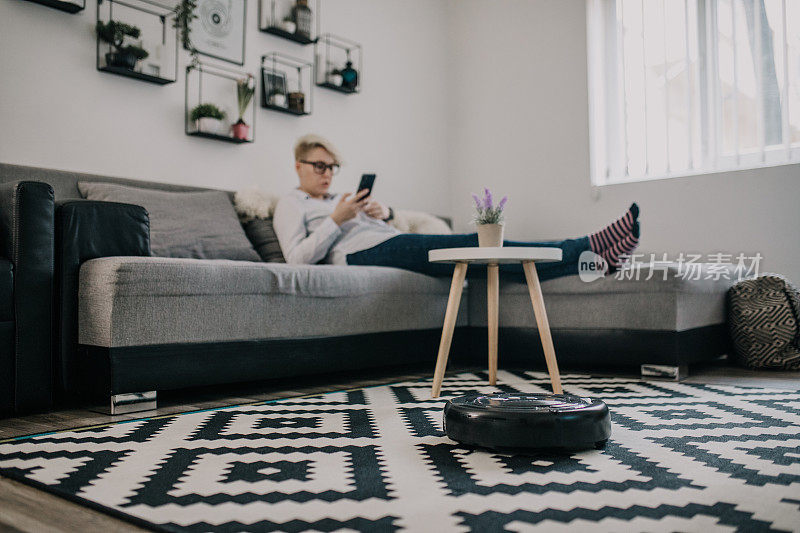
x,y
58,111
519,123
457,94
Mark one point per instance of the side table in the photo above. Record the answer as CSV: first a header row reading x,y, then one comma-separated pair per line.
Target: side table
x,y
492,257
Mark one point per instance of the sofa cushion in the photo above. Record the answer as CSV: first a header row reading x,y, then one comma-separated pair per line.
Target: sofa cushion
x,y
135,301
667,301
201,225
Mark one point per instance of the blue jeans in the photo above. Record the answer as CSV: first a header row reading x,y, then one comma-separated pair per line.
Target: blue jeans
x,y
410,251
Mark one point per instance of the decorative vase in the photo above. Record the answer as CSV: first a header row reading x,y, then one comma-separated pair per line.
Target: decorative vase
x,y
208,124
121,59
277,99
288,26
349,76
302,16
297,102
241,130
490,235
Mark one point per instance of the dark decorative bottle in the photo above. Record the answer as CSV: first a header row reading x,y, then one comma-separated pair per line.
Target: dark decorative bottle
x,y
349,75
302,16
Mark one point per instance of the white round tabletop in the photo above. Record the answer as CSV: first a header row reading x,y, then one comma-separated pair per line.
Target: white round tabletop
x,y
486,254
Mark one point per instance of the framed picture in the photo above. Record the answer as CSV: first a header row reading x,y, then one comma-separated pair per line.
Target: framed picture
x,y
274,84
218,30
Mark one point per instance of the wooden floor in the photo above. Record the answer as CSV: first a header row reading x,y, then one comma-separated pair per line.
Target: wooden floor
x,y
24,508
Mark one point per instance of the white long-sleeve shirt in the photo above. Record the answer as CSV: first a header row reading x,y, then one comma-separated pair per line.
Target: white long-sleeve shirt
x,y
307,233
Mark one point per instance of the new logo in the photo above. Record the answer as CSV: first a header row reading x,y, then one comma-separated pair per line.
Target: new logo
x,y
591,266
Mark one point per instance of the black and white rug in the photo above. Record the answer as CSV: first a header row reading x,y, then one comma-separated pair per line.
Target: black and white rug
x,y
681,457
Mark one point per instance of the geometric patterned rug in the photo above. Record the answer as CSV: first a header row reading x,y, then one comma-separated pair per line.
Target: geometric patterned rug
x,y
681,457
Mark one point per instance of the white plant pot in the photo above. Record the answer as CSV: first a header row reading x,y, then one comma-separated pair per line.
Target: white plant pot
x,y
278,100
208,125
288,26
490,235
335,79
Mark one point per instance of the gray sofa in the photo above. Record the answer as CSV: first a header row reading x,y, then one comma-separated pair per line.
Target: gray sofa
x,y
130,323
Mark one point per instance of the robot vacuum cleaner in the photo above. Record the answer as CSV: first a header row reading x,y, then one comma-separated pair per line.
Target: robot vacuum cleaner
x,y
517,421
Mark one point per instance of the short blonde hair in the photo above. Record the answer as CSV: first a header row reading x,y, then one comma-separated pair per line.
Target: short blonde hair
x,y
306,143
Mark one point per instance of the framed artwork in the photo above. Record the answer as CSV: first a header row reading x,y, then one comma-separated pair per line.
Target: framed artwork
x,y
218,30
274,83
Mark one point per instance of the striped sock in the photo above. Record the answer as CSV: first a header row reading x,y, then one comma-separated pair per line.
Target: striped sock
x,y
614,232
616,255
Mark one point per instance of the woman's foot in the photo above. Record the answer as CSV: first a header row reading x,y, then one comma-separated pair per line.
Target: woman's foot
x,y
620,251
615,232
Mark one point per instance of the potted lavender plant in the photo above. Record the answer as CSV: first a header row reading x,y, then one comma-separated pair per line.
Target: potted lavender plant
x,y
489,219
245,88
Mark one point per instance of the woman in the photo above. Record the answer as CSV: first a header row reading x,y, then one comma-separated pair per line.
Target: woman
x,y
315,226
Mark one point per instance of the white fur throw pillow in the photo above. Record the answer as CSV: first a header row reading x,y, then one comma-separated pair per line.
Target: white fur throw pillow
x,y
419,222
254,203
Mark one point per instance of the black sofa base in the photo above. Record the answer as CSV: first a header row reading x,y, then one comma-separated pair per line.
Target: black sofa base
x,y
107,371
6,368
612,348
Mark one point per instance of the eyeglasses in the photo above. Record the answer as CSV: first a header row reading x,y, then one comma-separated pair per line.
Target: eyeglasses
x,y
320,167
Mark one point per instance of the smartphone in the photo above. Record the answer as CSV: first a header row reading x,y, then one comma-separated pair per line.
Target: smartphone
x,y
367,181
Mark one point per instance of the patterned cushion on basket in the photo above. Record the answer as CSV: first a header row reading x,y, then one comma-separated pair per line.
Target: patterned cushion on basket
x,y
764,321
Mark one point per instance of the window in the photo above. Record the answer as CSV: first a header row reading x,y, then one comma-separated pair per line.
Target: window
x,y
692,86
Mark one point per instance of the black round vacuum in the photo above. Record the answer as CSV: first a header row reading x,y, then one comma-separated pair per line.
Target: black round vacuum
x,y
517,421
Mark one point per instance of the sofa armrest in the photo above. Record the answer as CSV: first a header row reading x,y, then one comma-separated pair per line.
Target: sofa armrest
x,y
85,230
26,240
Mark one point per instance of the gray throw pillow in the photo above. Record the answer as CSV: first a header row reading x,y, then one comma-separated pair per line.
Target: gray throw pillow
x,y
263,238
201,225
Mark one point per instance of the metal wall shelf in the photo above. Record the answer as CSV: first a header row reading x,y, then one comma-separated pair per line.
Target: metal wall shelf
x,y
271,23
229,75
148,7
284,110
300,39
120,71
333,56
217,137
338,88
293,74
69,7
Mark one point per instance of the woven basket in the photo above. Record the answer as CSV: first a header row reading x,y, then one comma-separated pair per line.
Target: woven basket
x,y
764,322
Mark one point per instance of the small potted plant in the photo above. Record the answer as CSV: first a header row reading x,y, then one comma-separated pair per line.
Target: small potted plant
x,y
277,99
335,77
114,33
288,25
245,89
489,219
207,117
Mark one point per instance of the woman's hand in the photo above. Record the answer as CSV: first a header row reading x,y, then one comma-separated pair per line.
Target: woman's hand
x,y
375,209
348,207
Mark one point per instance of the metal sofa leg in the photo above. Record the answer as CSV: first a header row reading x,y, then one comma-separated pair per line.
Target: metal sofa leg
x,y
132,402
668,372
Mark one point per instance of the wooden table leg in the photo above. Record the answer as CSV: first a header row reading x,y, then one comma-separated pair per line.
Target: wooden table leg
x,y
544,326
493,304
450,316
